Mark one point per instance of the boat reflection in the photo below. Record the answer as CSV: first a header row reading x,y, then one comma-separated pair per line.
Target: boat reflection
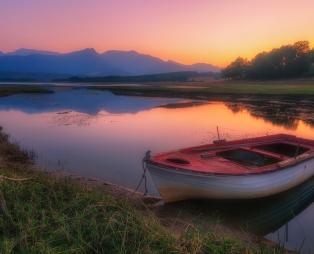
x,y
263,216
279,218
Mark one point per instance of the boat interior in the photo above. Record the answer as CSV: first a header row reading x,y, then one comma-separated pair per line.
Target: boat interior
x,y
255,155
263,155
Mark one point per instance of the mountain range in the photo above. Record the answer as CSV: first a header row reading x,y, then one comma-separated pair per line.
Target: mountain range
x,y
87,62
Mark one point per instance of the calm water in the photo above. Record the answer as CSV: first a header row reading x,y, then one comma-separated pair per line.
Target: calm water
x,y
98,134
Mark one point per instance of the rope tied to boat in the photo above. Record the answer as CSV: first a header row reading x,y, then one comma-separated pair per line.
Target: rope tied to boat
x,y
144,177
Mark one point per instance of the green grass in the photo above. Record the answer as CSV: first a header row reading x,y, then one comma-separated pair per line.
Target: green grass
x,y
58,216
289,87
42,213
11,90
209,89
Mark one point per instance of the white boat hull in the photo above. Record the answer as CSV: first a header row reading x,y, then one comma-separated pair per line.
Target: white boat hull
x,y
175,185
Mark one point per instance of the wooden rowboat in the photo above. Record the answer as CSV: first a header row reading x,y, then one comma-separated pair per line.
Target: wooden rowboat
x,y
242,169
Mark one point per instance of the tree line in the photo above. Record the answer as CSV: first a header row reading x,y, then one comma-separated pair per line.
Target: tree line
x,y
289,61
182,76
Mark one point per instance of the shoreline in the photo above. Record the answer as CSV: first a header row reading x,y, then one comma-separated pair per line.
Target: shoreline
x,y
170,233
198,89
23,89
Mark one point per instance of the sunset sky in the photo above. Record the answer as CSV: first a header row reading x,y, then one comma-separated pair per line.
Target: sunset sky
x,y
188,31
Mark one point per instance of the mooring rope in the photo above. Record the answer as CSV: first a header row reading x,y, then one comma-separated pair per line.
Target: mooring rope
x,y
144,177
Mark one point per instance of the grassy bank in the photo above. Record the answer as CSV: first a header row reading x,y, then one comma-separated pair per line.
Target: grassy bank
x,y
209,89
48,213
22,89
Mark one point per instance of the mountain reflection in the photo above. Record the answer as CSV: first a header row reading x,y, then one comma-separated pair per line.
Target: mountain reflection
x,y
80,100
280,112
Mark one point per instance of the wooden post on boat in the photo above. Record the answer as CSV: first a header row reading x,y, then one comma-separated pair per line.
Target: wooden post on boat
x,y
219,140
218,133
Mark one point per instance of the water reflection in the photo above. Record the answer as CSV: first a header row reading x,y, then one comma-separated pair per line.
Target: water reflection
x,y
296,227
79,100
88,132
286,113
266,215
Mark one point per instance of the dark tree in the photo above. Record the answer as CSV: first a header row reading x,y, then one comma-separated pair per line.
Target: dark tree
x,y
312,56
237,69
289,61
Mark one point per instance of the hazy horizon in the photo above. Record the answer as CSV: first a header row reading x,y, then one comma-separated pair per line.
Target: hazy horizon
x,y
89,48
186,31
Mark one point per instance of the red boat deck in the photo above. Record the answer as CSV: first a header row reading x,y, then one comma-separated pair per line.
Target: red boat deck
x,y
247,156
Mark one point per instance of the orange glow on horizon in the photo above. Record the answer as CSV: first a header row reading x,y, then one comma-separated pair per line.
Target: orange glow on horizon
x,y
186,31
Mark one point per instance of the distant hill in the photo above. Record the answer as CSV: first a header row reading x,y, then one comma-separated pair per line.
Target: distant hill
x,y
139,64
27,52
88,62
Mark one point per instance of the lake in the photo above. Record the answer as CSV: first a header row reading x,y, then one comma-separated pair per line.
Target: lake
x,y
101,135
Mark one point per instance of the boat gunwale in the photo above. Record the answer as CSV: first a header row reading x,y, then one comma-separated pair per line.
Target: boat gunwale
x,y
245,144
195,172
